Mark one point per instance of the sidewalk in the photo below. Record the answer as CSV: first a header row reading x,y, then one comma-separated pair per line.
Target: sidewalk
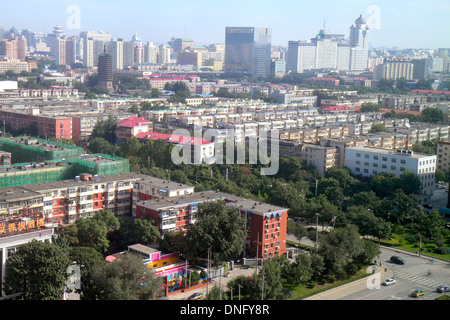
x,y
221,280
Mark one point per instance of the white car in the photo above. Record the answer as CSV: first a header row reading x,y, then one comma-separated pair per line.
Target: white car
x,y
389,281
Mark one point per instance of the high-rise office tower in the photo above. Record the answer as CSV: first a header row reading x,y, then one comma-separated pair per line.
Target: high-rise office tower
x,y
115,49
105,74
247,50
151,53
359,45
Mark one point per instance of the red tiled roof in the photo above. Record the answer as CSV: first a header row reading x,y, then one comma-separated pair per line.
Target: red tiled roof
x,y
132,122
172,138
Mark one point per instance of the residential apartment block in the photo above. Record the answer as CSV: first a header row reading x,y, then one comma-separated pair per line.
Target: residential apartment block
x,y
265,225
369,161
443,156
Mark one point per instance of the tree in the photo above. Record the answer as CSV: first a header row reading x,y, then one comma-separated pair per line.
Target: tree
x,y
126,278
272,272
410,183
38,271
101,145
132,231
106,129
378,127
93,231
339,246
86,258
432,115
218,228
301,271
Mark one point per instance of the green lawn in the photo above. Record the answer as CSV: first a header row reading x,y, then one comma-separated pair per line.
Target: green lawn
x,y
402,241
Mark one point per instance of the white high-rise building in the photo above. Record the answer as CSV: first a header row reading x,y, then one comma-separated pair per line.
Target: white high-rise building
x,y
331,51
359,45
115,49
151,53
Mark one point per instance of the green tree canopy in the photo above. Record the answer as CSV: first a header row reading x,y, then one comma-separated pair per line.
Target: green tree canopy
x,y
218,228
38,271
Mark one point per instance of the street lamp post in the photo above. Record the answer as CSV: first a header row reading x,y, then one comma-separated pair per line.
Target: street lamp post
x,y
317,231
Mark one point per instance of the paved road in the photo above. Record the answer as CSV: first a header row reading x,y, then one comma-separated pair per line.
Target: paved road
x,y
411,276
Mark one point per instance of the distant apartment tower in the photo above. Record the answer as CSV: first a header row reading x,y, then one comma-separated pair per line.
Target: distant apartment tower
x,y
331,51
115,49
105,74
359,45
443,156
394,70
420,70
14,48
248,50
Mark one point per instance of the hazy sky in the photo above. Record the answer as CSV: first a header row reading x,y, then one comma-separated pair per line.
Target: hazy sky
x,y
400,23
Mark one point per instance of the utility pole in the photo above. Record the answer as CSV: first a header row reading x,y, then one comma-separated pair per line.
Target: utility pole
x,y
209,272
317,231
257,247
262,286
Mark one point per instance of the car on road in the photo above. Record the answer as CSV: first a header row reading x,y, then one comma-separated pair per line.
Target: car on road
x,y
397,260
418,293
196,296
389,281
443,289
428,206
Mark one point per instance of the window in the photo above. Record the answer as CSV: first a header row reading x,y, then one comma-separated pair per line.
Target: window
x,y
358,155
366,164
393,167
384,166
375,157
384,158
402,168
366,170
366,156
357,169
393,160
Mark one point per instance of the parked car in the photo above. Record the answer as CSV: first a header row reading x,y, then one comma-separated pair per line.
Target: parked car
x,y
397,260
418,293
428,206
443,289
389,281
196,296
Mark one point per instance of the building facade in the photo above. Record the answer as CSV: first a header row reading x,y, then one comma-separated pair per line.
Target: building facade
x,y
369,161
265,224
248,50
443,156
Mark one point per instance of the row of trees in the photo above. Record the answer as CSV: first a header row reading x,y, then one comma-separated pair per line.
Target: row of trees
x,y
39,269
341,254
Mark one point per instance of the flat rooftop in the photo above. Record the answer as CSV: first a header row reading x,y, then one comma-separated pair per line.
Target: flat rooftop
x,y
404,153
31,142
237,202
162,183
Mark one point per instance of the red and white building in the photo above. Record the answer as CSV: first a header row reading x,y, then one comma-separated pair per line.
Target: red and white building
x,y
130,127
201,150
265,224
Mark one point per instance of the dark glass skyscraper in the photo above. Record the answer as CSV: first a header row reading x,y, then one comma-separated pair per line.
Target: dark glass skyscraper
x,y
247,50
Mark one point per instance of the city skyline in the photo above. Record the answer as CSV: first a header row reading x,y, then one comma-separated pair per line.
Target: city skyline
x,y
395,23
